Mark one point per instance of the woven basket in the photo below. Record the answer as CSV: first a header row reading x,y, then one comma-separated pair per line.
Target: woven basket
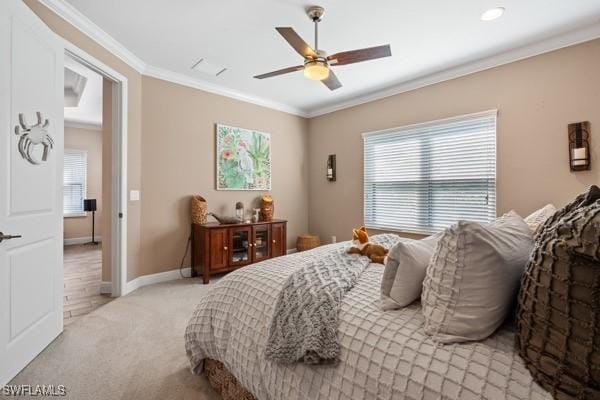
x,y
224,382
267,208
199,210
307,242
558,317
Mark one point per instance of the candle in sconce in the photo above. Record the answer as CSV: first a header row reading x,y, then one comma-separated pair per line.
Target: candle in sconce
x,y
579,156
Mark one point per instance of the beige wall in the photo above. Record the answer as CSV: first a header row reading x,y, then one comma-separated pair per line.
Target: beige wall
x,y
134,129
178,150
536,99
179,160
89,140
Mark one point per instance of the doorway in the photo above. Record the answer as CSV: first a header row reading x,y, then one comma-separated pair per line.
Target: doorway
x,y
86,190
110,223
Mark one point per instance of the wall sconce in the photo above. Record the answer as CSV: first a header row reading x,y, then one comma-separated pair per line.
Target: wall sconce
x,y
331,168
579,146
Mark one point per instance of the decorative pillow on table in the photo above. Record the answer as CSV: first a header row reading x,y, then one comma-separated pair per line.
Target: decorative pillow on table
x,y
558,314
473,277
405,270
536,219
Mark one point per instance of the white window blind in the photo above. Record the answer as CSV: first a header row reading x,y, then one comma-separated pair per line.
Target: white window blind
x,y
74,182
423,178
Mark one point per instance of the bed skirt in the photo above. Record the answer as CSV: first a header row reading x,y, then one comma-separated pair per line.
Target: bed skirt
x,y
224,382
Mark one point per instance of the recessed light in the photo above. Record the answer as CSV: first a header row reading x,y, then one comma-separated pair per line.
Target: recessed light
x,y
492,14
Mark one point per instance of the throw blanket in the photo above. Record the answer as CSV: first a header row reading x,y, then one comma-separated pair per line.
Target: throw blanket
x,y
305,323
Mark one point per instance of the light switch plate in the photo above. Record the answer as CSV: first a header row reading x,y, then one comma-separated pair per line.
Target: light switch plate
x,y
134,195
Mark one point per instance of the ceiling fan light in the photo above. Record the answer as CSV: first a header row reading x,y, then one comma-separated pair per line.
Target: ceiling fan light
x,y
492,14
316,70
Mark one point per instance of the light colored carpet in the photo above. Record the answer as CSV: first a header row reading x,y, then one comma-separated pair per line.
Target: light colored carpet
x,y
131,348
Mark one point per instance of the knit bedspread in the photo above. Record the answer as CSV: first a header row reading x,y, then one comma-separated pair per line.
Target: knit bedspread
x,y
384,355
305,322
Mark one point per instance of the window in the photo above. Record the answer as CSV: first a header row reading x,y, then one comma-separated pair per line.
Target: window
x,y
422,178
74,182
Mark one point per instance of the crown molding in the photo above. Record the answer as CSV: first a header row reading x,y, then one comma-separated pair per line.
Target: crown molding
x,y
82,124
185,80
557,42
70,14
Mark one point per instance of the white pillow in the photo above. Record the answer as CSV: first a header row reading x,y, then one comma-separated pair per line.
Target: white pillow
x,y
405,270
537,218
473,278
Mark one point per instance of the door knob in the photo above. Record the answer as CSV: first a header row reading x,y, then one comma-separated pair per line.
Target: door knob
x,y
8,237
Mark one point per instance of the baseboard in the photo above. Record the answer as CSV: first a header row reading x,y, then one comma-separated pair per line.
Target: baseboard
x,y
81,240
166,276
106,287
145,280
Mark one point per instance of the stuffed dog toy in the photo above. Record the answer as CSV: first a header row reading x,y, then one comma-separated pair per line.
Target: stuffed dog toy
x,y
361,245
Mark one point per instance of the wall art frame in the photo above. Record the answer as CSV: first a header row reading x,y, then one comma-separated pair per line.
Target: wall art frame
x,y
243,159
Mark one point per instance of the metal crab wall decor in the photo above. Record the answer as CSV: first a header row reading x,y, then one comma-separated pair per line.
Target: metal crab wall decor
x,y
31,136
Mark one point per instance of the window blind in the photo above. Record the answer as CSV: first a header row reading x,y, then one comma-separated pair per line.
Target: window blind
x,y
422,178
74,181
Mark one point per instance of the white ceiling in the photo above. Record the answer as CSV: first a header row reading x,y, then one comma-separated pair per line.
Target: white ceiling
x,y
89,108
426,37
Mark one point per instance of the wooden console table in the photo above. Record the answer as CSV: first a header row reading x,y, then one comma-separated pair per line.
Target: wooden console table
x,y
220,248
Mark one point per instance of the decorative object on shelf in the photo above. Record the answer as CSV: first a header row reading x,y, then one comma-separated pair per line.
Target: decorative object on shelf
x,y
199,210
90,205
243,159
31,136
331,168
239,210
256,215
267,208
579,146
307,242
225,220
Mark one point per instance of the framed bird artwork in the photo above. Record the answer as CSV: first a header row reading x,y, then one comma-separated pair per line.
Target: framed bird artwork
x,y
243,159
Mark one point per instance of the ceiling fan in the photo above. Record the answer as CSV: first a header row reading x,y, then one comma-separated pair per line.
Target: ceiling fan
x,y
316,62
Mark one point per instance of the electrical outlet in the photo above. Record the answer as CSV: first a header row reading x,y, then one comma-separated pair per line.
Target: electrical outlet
x,y
333,239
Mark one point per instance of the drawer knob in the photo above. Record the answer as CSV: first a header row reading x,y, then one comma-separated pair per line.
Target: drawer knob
x,y
274,241
250,244
225,248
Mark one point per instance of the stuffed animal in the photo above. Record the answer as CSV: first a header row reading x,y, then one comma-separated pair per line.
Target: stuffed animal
x,y
361,245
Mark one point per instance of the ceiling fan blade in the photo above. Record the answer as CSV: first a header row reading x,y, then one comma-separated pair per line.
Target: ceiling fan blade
x,y
297,42
332,81
280,72
355,56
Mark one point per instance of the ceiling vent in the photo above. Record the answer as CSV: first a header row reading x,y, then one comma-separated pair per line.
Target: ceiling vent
x,y
207,68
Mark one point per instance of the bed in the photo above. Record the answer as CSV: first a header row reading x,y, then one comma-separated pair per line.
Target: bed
x,y
384,355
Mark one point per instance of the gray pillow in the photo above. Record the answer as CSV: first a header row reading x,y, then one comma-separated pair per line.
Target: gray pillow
x,y
473,278
405,270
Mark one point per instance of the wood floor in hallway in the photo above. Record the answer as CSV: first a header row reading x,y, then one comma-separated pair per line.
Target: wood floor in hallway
x,y
83,276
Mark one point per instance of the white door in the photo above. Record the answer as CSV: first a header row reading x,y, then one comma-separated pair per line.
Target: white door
x,y
31,275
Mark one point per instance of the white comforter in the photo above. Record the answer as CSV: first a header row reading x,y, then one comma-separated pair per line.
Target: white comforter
x,y
384,355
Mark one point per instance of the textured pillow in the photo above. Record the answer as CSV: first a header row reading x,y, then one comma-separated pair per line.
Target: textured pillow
x,y
537,218
405,270
473,278
558,314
